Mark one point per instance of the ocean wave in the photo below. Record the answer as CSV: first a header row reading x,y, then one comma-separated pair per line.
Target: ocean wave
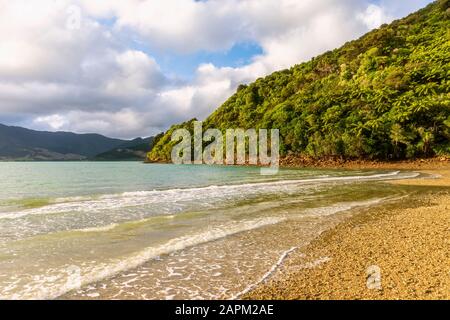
x,y
175,199
53,285
98,229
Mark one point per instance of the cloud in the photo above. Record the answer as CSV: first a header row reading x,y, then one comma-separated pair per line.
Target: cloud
x,y
374,16
55,121
51,74
180,25
87,65
136,74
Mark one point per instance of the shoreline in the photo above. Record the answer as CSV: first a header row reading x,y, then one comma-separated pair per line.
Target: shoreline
x,y
337,163
407,242
290,162
416,164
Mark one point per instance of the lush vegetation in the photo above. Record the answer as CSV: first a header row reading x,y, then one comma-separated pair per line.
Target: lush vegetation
x,y
134,150
383,96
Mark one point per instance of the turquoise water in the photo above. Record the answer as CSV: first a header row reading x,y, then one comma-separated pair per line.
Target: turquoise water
x,y
75,228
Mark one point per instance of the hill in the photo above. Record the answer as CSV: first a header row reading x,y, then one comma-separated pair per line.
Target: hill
x,y
130,151
384,96
18,143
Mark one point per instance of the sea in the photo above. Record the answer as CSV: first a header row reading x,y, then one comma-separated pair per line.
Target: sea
x,y
129,230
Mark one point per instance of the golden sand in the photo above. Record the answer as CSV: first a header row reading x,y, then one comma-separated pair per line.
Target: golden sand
x,y
397,251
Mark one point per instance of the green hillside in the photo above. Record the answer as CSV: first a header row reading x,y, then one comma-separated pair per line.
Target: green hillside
x,y
134,150
383,96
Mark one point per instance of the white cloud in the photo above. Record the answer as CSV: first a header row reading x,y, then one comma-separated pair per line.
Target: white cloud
x,y
181,25
374,16
54,75
54,121
136,73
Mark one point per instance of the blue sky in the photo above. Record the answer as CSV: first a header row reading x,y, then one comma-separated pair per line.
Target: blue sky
x,y
184,65
133,68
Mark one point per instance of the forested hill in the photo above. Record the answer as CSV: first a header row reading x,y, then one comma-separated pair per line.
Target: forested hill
x,y
18,143
383,96
134,150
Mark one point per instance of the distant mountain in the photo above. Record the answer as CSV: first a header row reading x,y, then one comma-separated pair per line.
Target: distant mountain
x,y
18,143
132,150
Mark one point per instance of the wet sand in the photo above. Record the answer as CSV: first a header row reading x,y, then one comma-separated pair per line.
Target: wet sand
x,y
397,251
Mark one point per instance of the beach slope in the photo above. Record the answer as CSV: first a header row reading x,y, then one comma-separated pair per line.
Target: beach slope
x,y
399,251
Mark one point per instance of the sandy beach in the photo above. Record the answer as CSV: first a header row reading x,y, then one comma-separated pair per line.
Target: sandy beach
x,y
396,251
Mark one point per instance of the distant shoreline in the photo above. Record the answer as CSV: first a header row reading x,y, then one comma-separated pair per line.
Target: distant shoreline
x,y
407,241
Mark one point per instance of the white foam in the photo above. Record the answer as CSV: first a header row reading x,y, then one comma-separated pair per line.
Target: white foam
x,y
315,263
52,285
98,229
172,200
343,206
267,275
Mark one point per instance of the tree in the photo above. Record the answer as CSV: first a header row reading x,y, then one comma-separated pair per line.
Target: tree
x,y
398,136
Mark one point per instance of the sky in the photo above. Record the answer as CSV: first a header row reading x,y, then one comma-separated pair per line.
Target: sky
x,y
132,68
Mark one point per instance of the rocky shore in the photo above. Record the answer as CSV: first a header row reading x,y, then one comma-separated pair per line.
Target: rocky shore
x,y
294,161
340,163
